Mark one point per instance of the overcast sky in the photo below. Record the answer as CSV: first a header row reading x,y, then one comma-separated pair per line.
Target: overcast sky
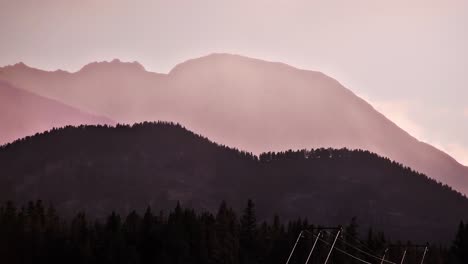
x,y
409,58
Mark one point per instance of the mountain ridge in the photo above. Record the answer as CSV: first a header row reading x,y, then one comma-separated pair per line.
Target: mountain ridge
x,y
25,114
100,168
248,104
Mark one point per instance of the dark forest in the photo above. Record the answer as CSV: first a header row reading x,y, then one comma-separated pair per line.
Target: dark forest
x,y
35,233
115,190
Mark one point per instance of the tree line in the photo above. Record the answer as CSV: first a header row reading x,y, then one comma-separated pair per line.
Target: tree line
x,y
36,233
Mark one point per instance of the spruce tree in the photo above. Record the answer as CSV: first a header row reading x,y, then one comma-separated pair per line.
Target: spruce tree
x,y
248,234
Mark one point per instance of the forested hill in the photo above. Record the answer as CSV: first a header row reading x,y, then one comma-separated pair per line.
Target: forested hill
x,y
98,169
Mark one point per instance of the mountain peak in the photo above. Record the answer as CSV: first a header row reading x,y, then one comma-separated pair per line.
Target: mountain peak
x,y
115,64
218,60
19,65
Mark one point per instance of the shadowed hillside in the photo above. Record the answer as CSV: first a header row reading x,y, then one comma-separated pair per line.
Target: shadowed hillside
x,y
98,169
23,113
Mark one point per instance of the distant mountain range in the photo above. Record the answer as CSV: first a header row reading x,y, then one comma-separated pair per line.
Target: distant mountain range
x,y
99,169
245,103
23,113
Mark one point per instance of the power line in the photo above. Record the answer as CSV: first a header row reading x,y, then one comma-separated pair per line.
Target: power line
x,y
364,252
358,240
381,259
346,253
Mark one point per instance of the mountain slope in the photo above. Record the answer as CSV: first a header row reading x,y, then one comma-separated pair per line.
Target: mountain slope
x,y
245,103
24,114
98,169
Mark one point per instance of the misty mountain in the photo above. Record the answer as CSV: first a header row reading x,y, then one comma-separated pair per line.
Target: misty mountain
x,y
245,103
98,169
24,114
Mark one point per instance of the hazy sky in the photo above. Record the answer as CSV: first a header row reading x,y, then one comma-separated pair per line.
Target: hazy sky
x,y
409,58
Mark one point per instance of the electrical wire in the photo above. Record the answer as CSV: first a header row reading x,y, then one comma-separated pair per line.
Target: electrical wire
x,y
346,253
362,251
381,259
357,240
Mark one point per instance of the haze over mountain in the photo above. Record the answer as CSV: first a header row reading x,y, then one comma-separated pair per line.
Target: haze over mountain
x,y
24,114
241,102
123,168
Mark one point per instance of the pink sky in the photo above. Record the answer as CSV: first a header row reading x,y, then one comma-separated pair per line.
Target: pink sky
x,y
408,58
